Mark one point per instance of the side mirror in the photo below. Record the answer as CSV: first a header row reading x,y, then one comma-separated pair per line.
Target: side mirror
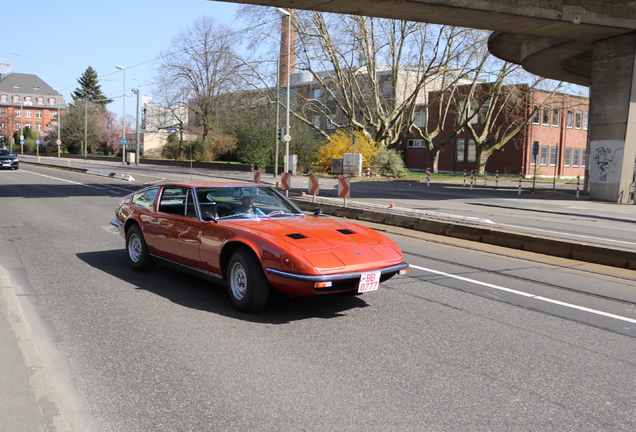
x,y
317,211
207,216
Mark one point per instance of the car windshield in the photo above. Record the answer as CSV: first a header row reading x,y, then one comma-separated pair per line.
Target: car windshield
x,y
5,152
244,202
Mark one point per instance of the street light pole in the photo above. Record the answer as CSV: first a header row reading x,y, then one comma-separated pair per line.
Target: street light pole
x,y
85,129
136,91
286,15
59,125
123,138
278,137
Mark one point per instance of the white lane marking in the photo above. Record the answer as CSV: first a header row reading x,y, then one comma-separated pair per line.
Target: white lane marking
x,y
77,183
524,294
61,179
566,234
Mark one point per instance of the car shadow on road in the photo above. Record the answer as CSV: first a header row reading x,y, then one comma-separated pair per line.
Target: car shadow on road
x,y
198,293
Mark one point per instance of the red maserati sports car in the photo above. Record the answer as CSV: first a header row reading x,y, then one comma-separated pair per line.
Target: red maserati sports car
x,y
252,238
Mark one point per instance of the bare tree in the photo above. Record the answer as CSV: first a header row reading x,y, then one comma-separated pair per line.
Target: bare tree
x,y
376,71
202,65
496,113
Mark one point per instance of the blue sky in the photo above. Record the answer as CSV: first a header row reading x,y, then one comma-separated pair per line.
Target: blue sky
x,y
58,41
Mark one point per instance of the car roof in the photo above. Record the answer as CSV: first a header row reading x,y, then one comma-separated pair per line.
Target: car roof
x,y
213,184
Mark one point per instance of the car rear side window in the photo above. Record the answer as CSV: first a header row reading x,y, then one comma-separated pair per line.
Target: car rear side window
x,y
145,198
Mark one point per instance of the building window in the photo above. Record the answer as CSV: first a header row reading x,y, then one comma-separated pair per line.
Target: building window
x,y
53,115
3,98
537,115
483,111
467,112
415,143
315,120
576,157
27,125
316,93
579,120
18,126
460,150
38,127
471,152
420,119
51,101
546,116
556,117
39,100
28,114
2,112
465,150
2,126
570,119
545,150
585,119
554,153
28,100
38,114
568,157
18,113
330,122
16,98
387,88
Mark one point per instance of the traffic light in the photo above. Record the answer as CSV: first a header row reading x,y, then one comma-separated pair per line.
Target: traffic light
x,y
281,134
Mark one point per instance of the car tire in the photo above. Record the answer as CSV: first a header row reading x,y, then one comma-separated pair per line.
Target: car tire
x,y
137,251
246,283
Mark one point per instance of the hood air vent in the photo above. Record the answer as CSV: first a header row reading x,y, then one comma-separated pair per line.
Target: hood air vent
x,y
296,236
345,231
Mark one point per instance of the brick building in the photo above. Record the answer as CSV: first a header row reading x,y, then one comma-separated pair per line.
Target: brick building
x,y
26,102
559,126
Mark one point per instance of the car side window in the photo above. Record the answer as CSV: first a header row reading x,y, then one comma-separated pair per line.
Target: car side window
x,y
178,201
145,198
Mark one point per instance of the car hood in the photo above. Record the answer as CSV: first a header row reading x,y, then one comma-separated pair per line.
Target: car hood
x,y
316,234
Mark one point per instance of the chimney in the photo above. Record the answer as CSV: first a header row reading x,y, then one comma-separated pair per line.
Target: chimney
x,y
286,21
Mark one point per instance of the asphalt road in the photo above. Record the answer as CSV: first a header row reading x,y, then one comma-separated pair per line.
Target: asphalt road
x,y
475,338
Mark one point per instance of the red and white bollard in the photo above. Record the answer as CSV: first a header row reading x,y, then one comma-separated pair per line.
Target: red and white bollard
x,y
368,172
428,177
520,177
578,183
496,179
472,179
464,178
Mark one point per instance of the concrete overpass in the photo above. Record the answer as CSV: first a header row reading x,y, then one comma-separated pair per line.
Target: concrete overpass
x,y
586,42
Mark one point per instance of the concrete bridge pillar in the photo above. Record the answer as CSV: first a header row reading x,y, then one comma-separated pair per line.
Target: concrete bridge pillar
x,y
612,128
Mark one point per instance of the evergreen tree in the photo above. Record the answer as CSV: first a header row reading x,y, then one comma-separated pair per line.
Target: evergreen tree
x,y
90,90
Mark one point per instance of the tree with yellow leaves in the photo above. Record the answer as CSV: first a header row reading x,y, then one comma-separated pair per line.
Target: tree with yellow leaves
x,y
342,142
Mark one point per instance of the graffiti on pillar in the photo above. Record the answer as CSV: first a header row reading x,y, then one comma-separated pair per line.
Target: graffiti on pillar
x,y
603,159
606,158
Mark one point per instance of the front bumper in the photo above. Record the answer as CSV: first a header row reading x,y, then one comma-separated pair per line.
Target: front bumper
x,y
9,163
301,284
336,277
